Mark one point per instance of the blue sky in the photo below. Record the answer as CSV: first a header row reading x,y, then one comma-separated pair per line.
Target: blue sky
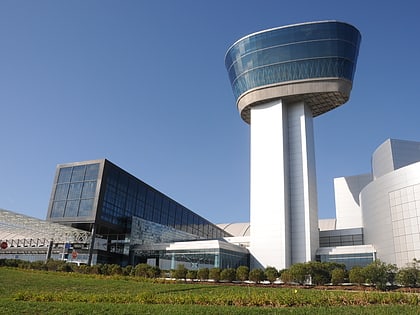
x,y
143,84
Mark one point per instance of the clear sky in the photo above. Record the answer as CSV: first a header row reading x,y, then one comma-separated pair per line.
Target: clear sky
x,y
143,84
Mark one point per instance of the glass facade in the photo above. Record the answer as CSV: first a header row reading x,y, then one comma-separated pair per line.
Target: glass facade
x,y
75,191
350,260
145,232
343,237
125,196
297,52
204,258
122,210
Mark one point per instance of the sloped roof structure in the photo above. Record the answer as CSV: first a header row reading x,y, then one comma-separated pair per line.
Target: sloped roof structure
x,y
15,226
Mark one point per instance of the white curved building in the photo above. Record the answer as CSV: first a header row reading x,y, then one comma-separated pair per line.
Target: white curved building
x,y
385,205
391,202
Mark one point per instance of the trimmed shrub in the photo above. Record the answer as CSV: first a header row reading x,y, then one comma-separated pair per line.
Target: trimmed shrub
x,y
338,275
180,272
191,274
228,274
256,275
356,275
410,275
214,274
203,273
271,274
242,273
379,274
146,271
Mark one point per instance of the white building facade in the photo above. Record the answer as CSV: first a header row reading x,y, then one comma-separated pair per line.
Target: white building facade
x,y
386,203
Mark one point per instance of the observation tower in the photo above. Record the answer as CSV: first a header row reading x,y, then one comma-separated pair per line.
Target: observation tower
x,y
282,78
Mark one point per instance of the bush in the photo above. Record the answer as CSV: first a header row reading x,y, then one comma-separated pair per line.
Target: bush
x,y
203,273
10,262
286,276
256,275
338,275
319,272
180,272
146,271
214,273
127,270
228,274
379,274
242,273
298,273
271,274
409,276
115,269
191,274
356,275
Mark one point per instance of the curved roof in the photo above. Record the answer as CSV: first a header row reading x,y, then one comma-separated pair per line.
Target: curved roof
x,y
15,226
236,229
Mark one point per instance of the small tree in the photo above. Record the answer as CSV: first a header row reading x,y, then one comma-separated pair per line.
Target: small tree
x,y
115,269
256,275
214,274
180,272
127,270
203,273
228,274
146,271
271,274
192,274
242,273
379,274
356,275
410,275
298,272
286,276
338,275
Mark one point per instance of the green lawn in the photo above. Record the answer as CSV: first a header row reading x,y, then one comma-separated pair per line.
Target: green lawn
x,y
37,292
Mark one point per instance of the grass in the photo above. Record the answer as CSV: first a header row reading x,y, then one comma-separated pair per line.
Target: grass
x,y
37,292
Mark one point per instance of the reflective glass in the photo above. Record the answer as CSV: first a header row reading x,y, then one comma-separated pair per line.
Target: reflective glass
x,y
85,208
58,209
78,173
313,50
61,192
64,175
72,207
75,190
89,189
92,171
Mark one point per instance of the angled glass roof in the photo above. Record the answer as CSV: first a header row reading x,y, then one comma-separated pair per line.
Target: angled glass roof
x,y
15,226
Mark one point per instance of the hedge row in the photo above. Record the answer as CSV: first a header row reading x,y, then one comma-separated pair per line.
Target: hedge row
x,y
377,273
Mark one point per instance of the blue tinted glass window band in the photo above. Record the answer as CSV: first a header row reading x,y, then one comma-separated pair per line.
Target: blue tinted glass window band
x,y
294,33
315,68
309,49
309,62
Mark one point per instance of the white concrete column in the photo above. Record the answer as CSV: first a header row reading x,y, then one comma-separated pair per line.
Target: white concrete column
x,y
302,179
270,240
284,215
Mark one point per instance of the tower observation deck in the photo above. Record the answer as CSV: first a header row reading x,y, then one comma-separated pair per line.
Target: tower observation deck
x,y
282,78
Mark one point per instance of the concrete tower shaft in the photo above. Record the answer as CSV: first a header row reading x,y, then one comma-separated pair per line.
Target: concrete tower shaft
x,y
281,79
